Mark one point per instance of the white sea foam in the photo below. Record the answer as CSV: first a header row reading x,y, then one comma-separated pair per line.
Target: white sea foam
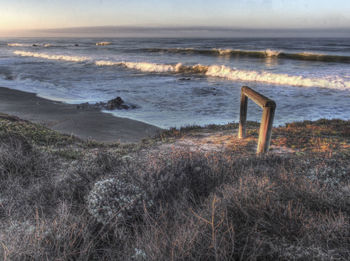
x,y
103,43
224,51
53,56
267,52
17,44
27,45
157,68
142,66
271,53
151,67
211,71
234,74
107,63
275,78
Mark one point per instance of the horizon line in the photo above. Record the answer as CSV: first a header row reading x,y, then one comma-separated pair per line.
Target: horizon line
x,y
178,31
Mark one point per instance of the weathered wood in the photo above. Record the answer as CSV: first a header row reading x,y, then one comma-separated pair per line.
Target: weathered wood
x,y
265,131
243,116
268,107
258,98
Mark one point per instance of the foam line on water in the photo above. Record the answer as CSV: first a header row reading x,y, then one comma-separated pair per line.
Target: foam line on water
x,y
68,58
235,74
275,78
308,56
17,44
220,71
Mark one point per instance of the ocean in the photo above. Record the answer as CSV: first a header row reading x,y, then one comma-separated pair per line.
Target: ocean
x,y
180,82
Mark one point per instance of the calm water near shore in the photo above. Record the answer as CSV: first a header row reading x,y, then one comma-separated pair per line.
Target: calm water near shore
x,y
177,82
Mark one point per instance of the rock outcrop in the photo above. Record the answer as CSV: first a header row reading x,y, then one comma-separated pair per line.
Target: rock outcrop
x,y
116,103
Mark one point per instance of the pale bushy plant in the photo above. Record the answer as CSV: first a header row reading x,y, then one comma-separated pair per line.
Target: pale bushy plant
x,y
116,200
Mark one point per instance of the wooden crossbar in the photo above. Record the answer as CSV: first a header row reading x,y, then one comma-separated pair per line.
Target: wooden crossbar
x,y
268,106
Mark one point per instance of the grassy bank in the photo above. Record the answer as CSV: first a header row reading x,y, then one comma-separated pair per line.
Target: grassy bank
x,y
189,194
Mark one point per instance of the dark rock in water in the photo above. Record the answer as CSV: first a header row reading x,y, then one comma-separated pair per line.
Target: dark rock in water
x,y
116,103
9,77
76,45
84,106
206,91
7,73
35,45
185,79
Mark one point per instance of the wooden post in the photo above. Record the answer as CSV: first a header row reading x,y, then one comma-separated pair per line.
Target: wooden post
x,y
268,107
265,131
243,115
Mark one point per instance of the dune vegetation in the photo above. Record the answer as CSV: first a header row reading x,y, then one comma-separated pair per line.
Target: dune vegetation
x,y
196,193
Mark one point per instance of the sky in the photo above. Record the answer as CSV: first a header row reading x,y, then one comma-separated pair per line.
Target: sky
x,y
39,15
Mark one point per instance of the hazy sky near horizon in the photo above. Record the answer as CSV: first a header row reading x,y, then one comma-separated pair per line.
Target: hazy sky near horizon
x,y
41,14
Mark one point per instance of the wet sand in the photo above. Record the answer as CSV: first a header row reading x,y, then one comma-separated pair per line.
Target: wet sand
x,y
66,118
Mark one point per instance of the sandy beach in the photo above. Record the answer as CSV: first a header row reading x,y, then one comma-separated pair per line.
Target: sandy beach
x,y
66,118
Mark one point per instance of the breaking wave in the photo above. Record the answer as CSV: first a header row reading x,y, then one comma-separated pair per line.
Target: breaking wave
x,y
52,56
18,44
221,71
28,45
275,78
234,74
308,56
264,53
103,43
157,68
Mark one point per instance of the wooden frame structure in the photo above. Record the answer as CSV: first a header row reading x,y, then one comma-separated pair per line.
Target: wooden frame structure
x,y
268,114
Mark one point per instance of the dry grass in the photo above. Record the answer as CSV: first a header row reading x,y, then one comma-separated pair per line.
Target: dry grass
x,y
222,204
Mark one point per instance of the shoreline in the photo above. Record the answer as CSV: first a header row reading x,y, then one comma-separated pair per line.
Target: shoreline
x,y
67,119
